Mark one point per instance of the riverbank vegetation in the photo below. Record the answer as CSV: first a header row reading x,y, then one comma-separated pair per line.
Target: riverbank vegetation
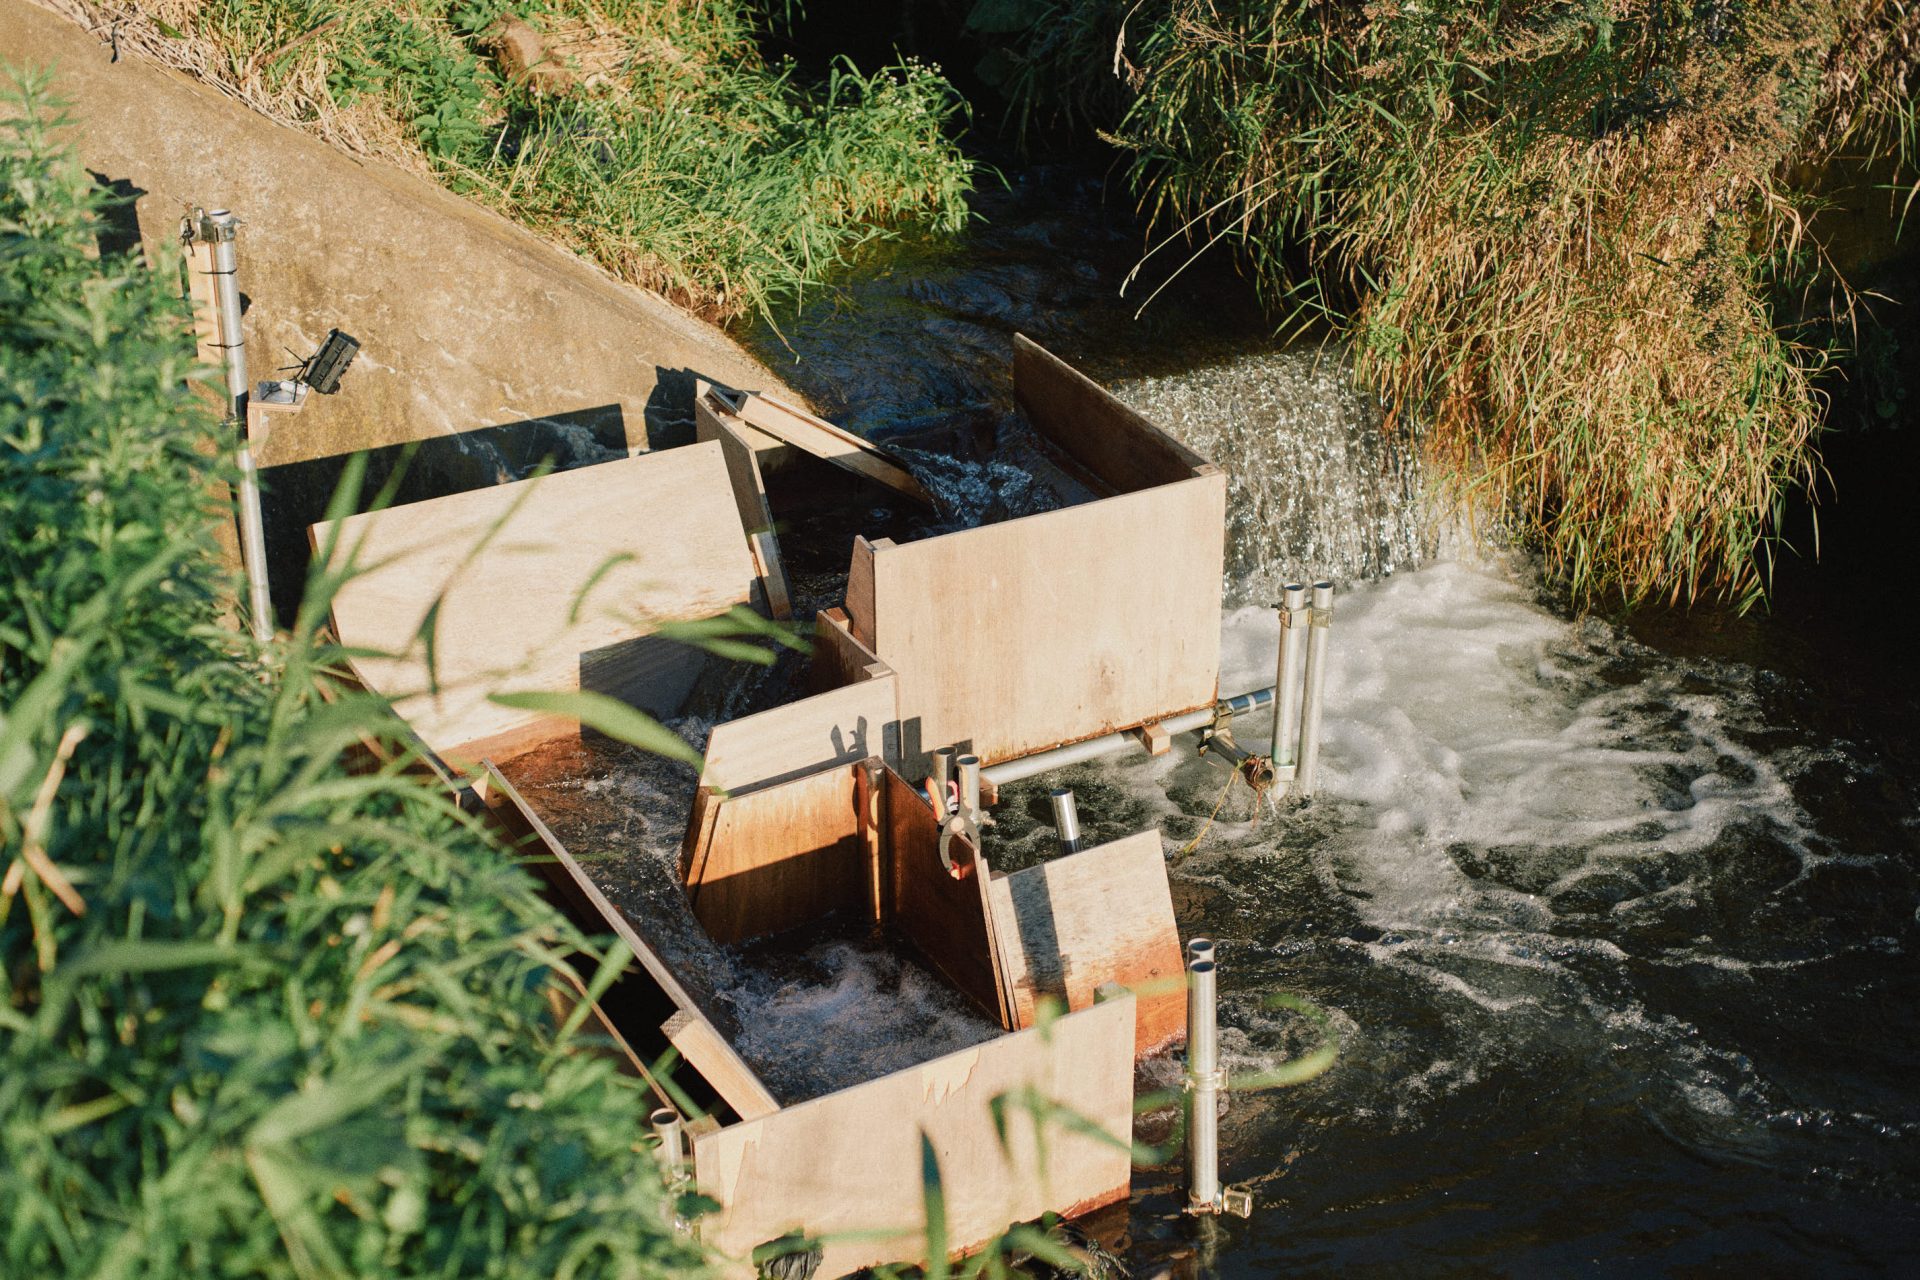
x,y
263,1015
1565,238
650,136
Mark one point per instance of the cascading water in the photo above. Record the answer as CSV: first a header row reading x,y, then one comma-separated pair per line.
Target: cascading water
x,y
1621,950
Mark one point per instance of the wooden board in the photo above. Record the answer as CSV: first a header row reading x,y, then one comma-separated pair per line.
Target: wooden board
x,y
689,1030
829,443
846,1167
837,727
838,656
655,537
945,920
779,858
1050,628
1118,445
714,420
1102,915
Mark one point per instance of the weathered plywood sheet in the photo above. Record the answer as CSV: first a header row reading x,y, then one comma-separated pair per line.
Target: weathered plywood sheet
x,y
548,584
838,656
778,858
1116,444
846,1167
944,919
1102,915
837,727
689,1030
1051,628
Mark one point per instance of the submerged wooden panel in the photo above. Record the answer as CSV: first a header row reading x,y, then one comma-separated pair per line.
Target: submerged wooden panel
x,y
837,727
946,920
847,1166
778,858
549,584
1054,627
1068,926
1118,445
689,1030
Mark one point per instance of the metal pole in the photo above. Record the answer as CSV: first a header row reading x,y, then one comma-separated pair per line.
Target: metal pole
x,y
968,770
943,778
672,1154
1203,1087
218,229
1110,743
1066,820
1286,703
1308,774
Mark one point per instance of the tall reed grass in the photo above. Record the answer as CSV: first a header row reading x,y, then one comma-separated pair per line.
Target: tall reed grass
x,y
1554,233
259,1014
651,136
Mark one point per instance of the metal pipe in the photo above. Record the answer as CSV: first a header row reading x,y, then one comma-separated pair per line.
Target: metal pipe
x,y
672,1153
1307,777
1286,706
1108,743
219,228
968,770
1199,949
943,778
1203,1090
1066,820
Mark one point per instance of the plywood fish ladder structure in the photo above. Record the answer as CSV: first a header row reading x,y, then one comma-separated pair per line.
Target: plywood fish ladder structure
x,y
1095,619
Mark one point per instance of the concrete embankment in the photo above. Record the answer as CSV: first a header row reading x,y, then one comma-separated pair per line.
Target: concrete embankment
x,y
466,321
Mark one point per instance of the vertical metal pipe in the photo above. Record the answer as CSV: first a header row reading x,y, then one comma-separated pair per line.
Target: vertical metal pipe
x,y
1199,949
672,1153
1203,1086
1286,689
1307,777
219,228
968,769
942,758
1066,820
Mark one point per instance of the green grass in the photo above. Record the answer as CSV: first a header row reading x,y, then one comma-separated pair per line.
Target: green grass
x,y
1553,233
667,149
262,1015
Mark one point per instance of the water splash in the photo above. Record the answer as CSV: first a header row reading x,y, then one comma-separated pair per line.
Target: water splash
x,y
1317,487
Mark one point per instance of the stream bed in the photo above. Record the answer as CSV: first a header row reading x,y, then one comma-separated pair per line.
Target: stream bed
x,y
1617,924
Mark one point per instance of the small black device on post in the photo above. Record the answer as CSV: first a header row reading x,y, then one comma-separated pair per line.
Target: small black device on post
x,y
324,369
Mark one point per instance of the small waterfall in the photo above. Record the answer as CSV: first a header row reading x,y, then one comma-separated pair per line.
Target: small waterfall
x,y
1317,486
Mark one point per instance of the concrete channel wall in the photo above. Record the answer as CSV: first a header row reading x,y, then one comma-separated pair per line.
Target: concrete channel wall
x,y
467,322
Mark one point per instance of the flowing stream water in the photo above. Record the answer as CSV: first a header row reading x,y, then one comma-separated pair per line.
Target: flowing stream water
x,y
1616,925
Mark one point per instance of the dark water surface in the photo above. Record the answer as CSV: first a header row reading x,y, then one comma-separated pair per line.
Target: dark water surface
x,y
1618,924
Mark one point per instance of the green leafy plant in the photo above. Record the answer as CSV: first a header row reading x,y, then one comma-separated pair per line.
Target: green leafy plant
x,y
663,145
264,1014
1552,232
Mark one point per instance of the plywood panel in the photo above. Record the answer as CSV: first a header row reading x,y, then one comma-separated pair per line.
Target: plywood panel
x,y
1054,627
547,584
837,727
846,1167
1101,915
944,919
689,1030
838,656
1115,443
779,858
829,443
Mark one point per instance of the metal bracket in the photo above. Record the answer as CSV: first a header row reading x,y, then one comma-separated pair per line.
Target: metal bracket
x,y
1237,1200
958,824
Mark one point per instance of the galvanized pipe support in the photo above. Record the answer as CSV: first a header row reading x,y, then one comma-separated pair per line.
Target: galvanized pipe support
x,y
219,229
1205,1085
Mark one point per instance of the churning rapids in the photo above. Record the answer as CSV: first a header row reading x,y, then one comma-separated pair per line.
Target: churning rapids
x,y
1621,945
